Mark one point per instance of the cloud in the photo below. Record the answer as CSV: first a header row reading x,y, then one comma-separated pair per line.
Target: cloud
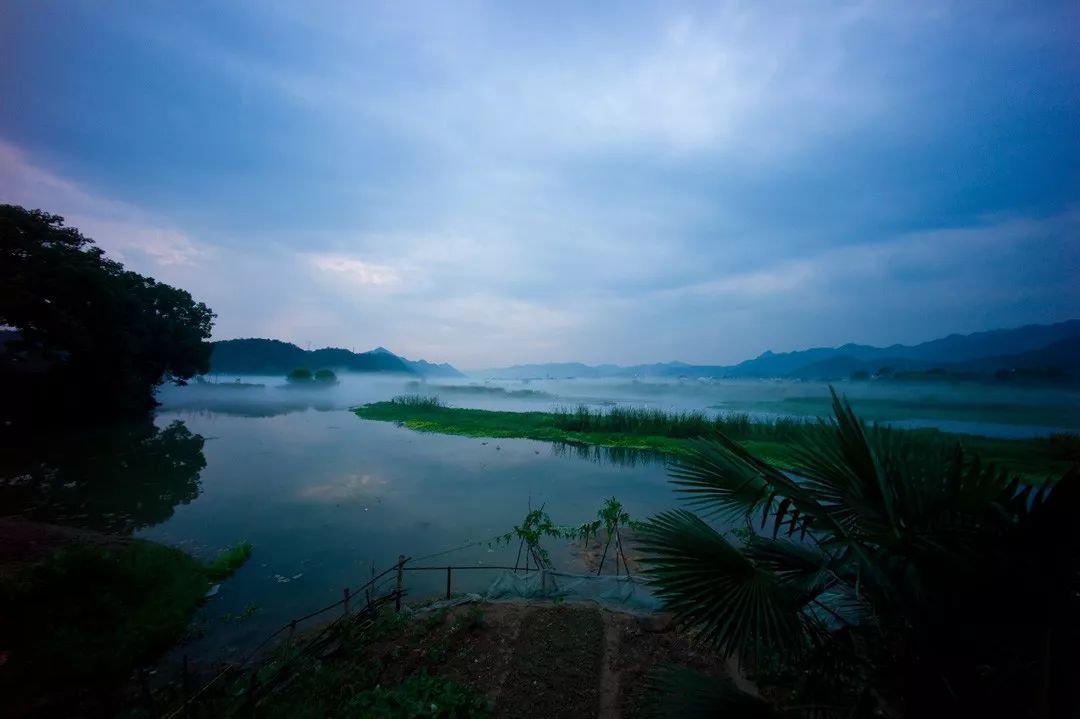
x,y
127,233
491,183
356,271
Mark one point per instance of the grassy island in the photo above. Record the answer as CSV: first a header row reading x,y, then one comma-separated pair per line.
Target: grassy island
x,y
668,432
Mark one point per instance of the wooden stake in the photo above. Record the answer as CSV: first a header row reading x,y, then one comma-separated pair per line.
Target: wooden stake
x,y
400,582
448,570
603,557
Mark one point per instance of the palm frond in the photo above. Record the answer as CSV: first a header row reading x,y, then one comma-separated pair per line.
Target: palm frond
x,y
682,693
724,479
710,585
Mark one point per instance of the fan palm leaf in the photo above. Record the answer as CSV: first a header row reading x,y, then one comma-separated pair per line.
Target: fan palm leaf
x,y
709,584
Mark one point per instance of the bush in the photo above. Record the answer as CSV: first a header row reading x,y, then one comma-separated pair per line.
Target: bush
x,y
326,376
300,374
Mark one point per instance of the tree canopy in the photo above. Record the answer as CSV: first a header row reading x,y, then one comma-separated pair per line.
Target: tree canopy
x,y
88,330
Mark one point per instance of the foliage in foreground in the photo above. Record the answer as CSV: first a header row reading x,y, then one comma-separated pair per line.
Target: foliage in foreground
x,y
357,667
882,575
77,624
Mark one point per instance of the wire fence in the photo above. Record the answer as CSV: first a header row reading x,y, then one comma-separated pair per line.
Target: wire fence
x,y
364,602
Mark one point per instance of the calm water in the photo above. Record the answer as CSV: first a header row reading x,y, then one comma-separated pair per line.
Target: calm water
x,y
323,495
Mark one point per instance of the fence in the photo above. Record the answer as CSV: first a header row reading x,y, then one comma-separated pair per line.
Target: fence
x,y
352,609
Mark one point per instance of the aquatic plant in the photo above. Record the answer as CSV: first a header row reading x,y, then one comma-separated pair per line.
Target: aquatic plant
x,y
683,425
417,401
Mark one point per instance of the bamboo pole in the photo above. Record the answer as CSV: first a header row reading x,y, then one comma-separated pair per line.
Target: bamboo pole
x,y
603,557
400,581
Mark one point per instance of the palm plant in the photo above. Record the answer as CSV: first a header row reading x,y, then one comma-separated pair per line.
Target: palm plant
x,y
885,575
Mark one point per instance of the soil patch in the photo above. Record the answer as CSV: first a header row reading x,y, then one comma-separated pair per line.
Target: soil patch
x,y
555,669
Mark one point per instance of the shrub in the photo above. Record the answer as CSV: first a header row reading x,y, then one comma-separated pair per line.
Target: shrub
x,y
300,374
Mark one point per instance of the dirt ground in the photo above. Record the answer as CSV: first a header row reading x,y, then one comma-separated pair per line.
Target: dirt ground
x,y
23,542
547,660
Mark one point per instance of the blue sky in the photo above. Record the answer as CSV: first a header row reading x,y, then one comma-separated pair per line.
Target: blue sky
x,y
491,183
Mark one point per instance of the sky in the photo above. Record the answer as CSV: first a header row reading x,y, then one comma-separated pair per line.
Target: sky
x,y
490,183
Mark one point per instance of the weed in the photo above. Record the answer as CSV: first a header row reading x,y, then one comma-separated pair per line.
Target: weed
x,y
228,561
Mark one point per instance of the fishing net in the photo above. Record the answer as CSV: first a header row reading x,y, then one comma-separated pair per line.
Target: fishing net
x,y
619,592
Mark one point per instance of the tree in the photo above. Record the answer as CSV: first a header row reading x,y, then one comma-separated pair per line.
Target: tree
x,y
90,333
326,376
882,576
299,375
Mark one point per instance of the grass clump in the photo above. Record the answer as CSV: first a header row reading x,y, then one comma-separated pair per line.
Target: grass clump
x,y
228,561
416,401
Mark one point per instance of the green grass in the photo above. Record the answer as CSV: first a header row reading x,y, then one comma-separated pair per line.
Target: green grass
x,y
655,430
387,666
228,561
76,625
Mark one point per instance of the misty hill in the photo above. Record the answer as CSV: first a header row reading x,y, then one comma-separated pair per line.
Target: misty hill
x,y
262,356
1032,347
423,367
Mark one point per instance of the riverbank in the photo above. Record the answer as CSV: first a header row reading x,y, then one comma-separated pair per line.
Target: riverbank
x,y
81,610
668,433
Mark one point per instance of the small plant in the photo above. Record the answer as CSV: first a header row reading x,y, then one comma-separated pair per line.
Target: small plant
x,y
228,561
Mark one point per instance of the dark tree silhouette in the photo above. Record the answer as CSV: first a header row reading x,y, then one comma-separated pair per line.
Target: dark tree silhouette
x,y
91,335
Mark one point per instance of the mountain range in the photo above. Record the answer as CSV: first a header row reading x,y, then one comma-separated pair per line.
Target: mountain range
x,y
1053,350
264,356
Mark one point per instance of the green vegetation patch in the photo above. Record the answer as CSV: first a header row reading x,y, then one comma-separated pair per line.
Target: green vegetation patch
x,y
228,561
77,624
667,432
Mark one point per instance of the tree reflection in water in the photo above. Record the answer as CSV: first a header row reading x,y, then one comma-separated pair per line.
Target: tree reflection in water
x,y
116,479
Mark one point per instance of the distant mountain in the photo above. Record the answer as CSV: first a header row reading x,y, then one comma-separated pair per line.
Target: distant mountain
x,y
423,367
1032,347
261,356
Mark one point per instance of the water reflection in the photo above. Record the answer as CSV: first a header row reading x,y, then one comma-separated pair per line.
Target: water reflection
x,y
117,479
619,456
